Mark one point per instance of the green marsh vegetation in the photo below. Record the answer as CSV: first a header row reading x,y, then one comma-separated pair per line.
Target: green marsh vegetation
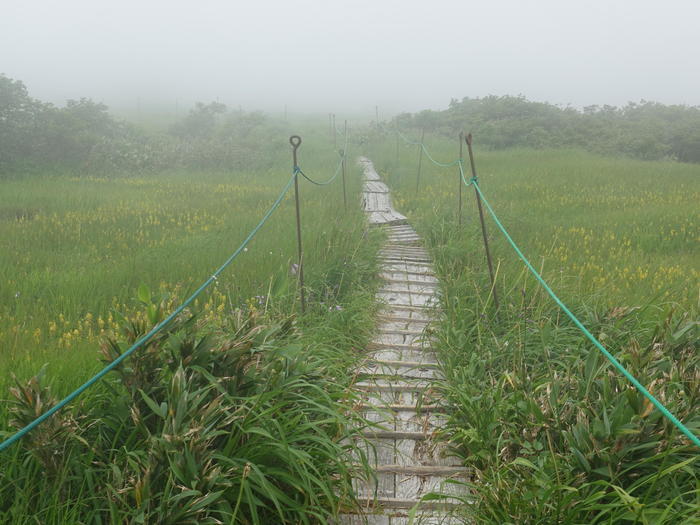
x,y
234,413
554,434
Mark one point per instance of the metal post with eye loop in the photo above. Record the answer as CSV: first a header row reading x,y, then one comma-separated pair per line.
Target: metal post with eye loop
x,y
460,168
341,152
295,141
420,159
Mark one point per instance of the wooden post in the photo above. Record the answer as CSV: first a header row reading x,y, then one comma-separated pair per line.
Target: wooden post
x,y
483,224
342,154
295,141
397,147
460,169
335,133
420,158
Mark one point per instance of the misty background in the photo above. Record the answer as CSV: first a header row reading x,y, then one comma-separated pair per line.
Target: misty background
x,y
350,56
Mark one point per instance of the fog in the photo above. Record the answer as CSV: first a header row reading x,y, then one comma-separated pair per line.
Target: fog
x,y
314,55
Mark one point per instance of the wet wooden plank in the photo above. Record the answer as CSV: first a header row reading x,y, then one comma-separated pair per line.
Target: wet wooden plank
x,y
397,376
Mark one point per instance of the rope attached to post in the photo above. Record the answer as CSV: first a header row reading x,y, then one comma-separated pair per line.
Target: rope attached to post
x,y
427,153
153,332
343,153
667,413
474,181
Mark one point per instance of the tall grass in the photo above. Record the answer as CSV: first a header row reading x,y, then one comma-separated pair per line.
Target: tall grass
x,y
237,414
237,421
555,435
75,248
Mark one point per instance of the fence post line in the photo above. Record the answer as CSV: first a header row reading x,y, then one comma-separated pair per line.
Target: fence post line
x,y
468,140
460,168
342,155
335,133
295,141
397,146
342,162
420,158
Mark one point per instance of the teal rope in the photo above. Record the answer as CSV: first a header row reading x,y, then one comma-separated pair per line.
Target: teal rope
x,y
473,180
407,140
588,334
146,338
427,153
298,170
441,164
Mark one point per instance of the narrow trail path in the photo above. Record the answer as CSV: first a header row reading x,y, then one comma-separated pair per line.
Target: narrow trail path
x,y
397,381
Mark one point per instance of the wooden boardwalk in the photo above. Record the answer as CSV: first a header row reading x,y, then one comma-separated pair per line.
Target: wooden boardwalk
x,y
397,382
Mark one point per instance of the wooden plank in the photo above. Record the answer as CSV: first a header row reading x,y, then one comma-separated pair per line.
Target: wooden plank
x,y
383,330
399,372
387,386
394,278
409,269
424,470
413,436
405,364
409,408
419,355
405,259
399,346
400,375
403,319
432,293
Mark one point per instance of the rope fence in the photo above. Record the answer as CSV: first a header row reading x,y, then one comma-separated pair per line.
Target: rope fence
x,y
293,180
585,331
343,153
474,181
144,340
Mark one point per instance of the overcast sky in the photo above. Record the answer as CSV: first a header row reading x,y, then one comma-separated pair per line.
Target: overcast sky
x,y
352,55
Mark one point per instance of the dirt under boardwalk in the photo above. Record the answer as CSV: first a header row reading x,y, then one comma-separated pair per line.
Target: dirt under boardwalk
x,y
397,379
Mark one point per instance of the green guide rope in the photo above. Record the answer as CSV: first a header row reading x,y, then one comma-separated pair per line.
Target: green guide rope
x,y
475,182
667,413
155,330
160,326
342,155
427,153
298,170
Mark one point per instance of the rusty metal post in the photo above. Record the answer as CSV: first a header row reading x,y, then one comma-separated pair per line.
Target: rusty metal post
x,y
420,159
342,154
460,168
342,161
397,147
335,133
468,139
295,141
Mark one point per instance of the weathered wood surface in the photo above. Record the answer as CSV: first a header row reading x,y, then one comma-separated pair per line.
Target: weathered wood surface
x,y
376,200
396,382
